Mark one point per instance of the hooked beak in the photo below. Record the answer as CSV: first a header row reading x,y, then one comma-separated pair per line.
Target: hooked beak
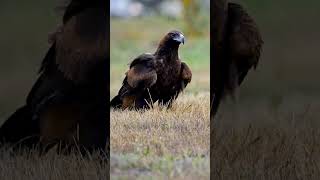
x,y
180,38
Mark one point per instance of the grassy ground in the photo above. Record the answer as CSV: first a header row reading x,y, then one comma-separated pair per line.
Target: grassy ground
x,y
160,143
30,166
266,141
164,144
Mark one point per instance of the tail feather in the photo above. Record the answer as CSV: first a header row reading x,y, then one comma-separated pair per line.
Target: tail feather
x,y
20,129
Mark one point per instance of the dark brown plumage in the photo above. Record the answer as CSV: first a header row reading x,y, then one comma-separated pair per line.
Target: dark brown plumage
x,y
244,44
237,49
71,91
155,77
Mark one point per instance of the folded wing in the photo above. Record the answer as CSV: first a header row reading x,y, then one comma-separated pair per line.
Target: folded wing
x,y
186,73
81,43
141,76
245,45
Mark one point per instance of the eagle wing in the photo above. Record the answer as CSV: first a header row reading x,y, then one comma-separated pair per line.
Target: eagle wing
x,y
77,47
185,76
245,44
142,73
81,43
141,76
186,73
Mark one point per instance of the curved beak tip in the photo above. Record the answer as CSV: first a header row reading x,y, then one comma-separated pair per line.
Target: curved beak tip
x,y
180,39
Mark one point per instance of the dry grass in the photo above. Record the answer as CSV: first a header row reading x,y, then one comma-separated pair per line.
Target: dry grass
x,y
267,143
266,153
28,165
164,143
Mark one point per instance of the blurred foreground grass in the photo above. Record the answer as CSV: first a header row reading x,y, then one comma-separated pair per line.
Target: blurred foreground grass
x,y
265,142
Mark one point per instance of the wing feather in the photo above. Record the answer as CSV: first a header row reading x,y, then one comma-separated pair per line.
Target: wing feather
x,y
245,44
142,73
245,38
140,76
186,73
81,44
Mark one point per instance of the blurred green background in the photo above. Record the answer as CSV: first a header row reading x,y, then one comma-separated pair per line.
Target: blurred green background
x,y
287,75
290,59
23,43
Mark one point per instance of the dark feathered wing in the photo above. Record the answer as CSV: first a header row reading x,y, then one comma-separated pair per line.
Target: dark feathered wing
x,y
141,76
81,44
244,45
50,83
186,74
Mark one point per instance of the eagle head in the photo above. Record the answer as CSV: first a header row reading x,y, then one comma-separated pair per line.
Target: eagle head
x,y
174,37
